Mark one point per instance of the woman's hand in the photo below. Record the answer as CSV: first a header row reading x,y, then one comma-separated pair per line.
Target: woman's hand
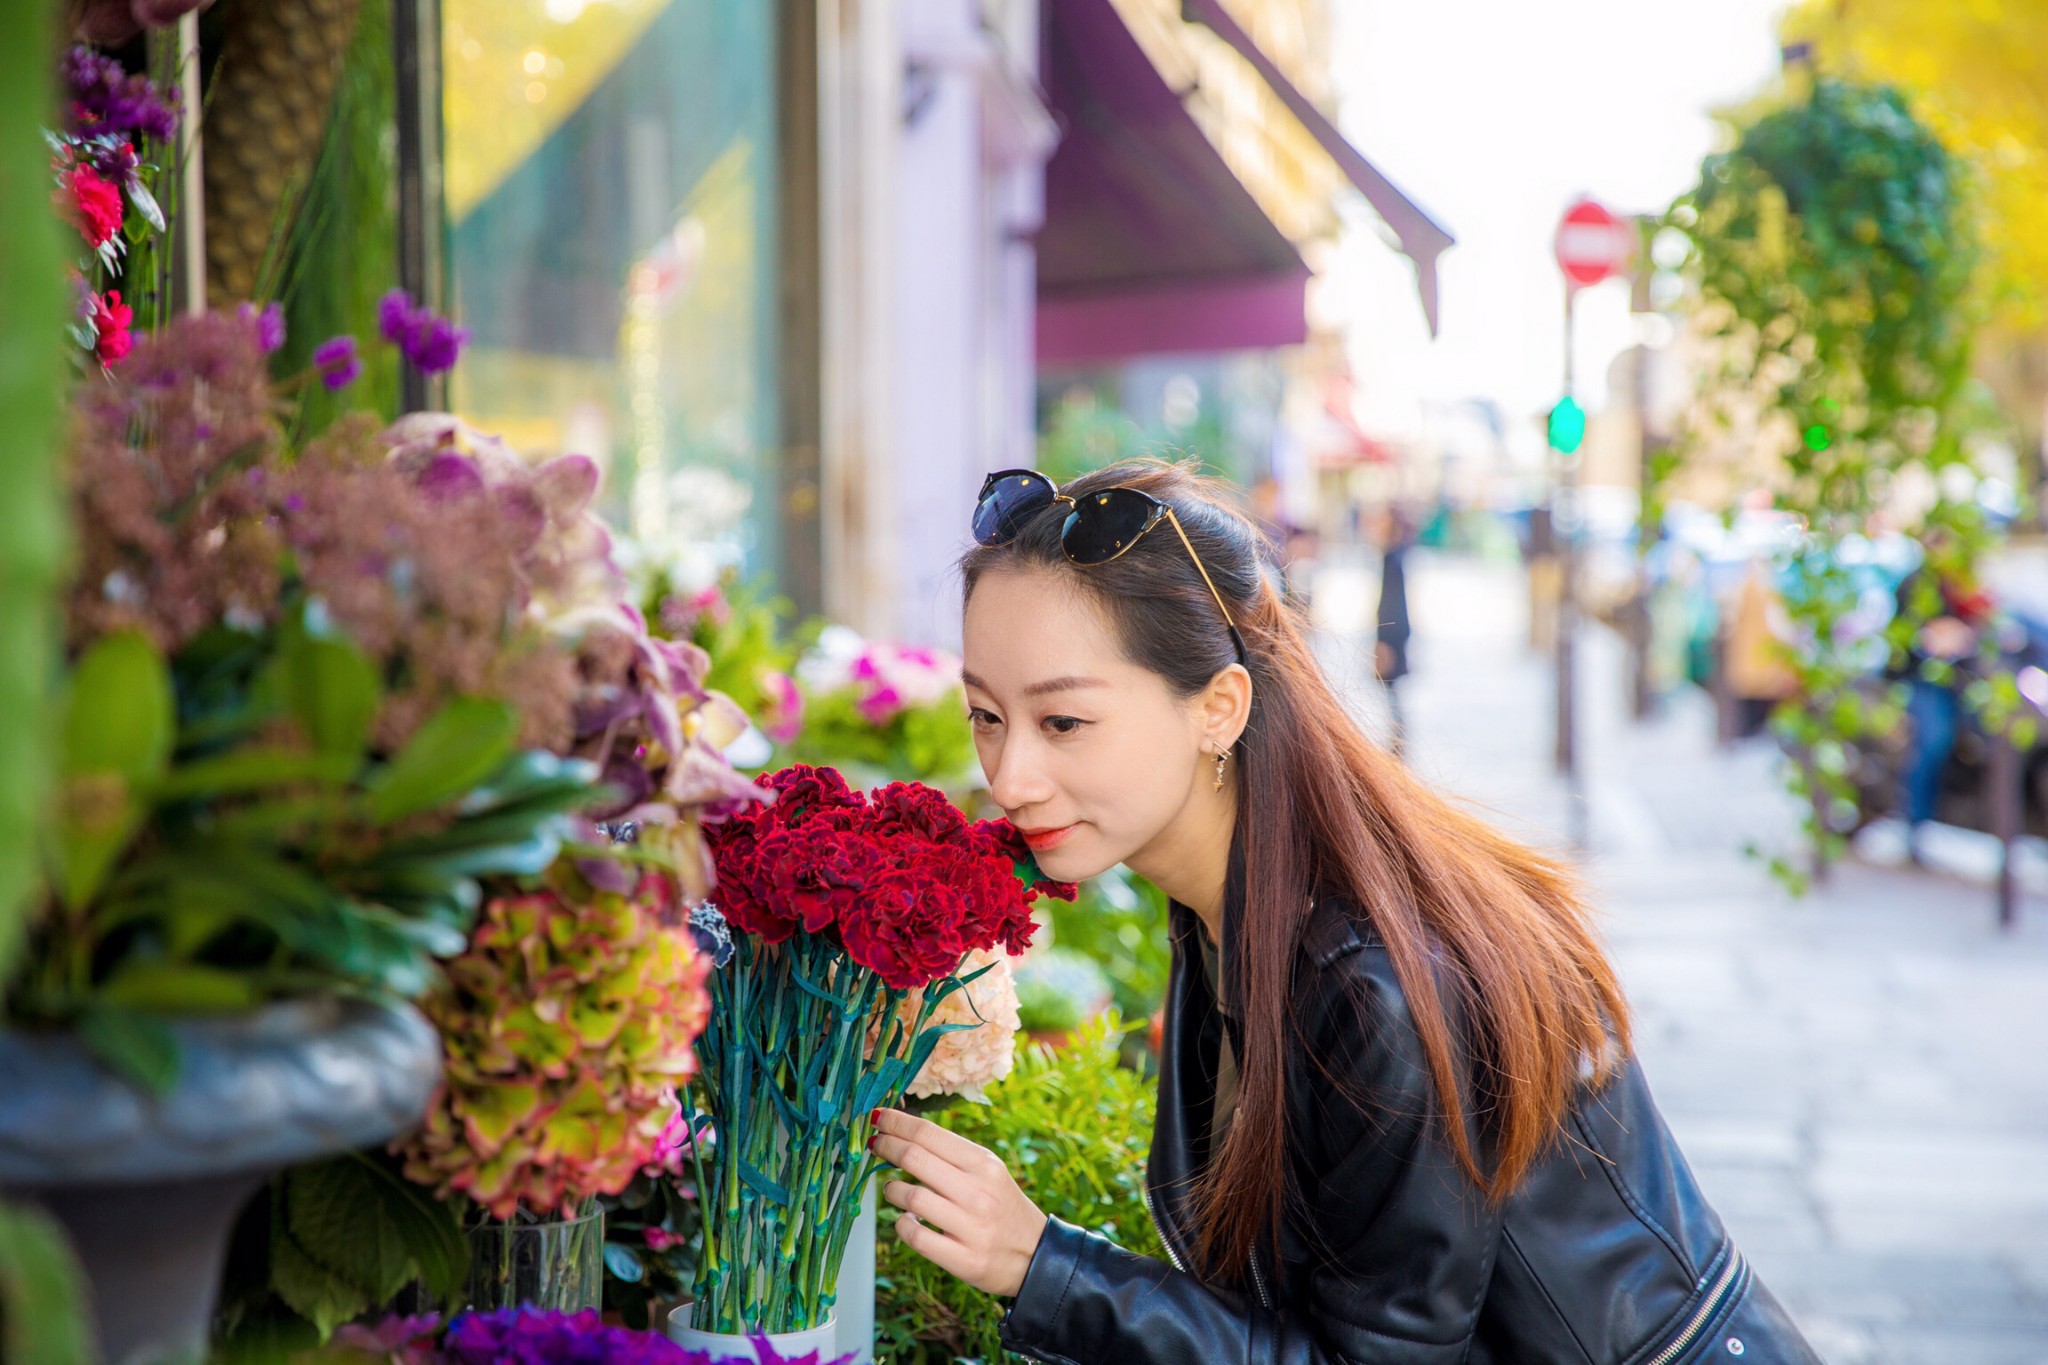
x,y
966,1215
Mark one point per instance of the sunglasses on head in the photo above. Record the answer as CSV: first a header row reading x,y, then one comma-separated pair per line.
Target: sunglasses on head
x,y
1101,527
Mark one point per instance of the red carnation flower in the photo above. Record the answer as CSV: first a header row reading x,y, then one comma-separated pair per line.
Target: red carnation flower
x,y
804,793
913,808
95,206
111,317
904,930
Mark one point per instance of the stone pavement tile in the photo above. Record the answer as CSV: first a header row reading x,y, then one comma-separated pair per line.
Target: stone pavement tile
x,y
1918,1345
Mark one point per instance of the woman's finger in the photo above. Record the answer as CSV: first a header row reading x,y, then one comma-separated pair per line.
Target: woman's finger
x,y
929,1206
945,1252
946,1144
923,1164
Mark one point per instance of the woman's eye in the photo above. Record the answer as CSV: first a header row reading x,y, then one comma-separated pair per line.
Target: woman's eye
x,y
980,719
1063,725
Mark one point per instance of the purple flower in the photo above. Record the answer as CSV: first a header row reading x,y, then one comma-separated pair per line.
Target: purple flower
x,y
430,342
106,99
269,324
337,361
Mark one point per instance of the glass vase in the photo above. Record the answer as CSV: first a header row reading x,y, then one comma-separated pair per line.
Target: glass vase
x,y
558,1263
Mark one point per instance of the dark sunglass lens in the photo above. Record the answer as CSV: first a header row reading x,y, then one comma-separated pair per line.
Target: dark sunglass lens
x,y
1007,502
1103,525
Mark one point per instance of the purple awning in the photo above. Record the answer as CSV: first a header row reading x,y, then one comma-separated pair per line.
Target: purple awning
x,y
1150,242
1422,239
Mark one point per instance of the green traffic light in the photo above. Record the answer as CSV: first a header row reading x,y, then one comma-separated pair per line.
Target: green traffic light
x,y
1567,426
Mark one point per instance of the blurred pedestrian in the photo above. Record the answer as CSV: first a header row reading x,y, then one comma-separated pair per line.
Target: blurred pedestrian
x,y
1395,532
1934,659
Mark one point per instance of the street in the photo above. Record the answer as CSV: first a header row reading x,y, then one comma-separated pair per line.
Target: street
x,y
1858,1076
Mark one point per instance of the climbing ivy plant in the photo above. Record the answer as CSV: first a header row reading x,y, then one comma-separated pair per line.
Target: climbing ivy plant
x,y
1831,258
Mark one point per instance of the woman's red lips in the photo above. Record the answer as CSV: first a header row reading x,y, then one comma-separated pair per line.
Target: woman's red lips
x,y
1042,839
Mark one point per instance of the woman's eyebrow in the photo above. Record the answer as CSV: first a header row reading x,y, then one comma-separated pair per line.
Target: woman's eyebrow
x,y
1040,689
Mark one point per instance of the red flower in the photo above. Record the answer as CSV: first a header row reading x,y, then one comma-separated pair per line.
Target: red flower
x,y
95,205
111,317
900,878
904,930
804,793
913,808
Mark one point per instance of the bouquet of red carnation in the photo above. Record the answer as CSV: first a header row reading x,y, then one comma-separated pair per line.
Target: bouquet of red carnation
x,y
832,907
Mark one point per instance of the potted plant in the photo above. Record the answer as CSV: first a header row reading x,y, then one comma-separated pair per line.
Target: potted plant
x,y
838,907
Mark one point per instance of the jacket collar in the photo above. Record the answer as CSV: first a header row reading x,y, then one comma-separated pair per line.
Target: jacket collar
x,y
1189,1048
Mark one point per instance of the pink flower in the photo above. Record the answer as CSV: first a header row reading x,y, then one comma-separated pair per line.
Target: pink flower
x,y
661,1239
95,205
111,318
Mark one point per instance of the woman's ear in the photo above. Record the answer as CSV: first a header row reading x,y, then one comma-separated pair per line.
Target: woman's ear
x,y
1225,708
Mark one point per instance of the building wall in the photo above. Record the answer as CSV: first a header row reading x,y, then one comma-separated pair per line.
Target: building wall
x,y
935,144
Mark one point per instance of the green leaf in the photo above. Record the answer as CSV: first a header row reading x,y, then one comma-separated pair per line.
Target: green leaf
x,y
42,1301
137,1047
623,1262
115,739
248,770
329,686
458,748
310,1289
359,1221
178,988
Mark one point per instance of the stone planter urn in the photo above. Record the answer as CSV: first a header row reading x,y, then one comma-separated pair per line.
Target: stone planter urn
x,y
148,1188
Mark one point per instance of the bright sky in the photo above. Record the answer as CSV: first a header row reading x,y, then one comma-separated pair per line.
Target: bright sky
x,y
1494,115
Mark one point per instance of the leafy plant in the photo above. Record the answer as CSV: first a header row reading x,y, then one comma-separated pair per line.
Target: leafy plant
x,y
32,530
42,1299
1073,1126
1832,253
327,1241
1119,919
258,846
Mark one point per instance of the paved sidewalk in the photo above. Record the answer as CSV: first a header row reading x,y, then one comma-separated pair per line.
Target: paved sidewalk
x,y
1860,1078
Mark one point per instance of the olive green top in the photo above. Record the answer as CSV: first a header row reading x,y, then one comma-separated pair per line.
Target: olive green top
x,y
1226,1058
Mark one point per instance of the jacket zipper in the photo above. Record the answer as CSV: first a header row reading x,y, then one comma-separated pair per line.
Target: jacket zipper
x,y
1712,1305
1173,1254
1159,1226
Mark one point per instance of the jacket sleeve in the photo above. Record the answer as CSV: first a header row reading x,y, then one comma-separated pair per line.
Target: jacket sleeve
x,y
1399,1243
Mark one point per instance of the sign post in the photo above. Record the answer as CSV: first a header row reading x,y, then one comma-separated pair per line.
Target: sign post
x,y
1592,244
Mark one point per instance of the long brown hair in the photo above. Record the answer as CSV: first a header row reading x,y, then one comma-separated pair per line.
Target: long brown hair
x,y
1521,1004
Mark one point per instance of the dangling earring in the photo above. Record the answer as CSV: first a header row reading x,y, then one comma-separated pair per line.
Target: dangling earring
x,y
1222,757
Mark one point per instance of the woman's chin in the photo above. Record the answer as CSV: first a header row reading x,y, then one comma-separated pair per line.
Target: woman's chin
x,y
1069,863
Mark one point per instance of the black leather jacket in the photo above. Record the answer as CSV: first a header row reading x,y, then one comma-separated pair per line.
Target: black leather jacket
x,y
1606,1255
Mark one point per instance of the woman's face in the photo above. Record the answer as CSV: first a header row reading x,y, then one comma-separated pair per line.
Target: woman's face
x,y
1092,757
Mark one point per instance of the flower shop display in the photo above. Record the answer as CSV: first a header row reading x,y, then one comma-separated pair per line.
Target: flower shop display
x,y
323,701
837,906
529,1337
1074,1126
885,712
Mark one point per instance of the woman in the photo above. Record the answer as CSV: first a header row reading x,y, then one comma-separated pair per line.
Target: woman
x,y
1398,1116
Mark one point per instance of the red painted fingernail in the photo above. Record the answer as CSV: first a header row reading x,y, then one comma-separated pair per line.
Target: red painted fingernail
x,y
875,1116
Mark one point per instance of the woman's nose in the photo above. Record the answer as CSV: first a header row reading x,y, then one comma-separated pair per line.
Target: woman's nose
x,y
1018,779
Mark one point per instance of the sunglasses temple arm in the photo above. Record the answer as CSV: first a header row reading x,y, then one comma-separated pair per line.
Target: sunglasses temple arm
x,y
1243,656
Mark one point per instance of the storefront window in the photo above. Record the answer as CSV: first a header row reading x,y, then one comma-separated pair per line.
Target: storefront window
x,y
610,174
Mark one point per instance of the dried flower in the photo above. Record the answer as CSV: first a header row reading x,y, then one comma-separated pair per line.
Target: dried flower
x,y
94,206
337,362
